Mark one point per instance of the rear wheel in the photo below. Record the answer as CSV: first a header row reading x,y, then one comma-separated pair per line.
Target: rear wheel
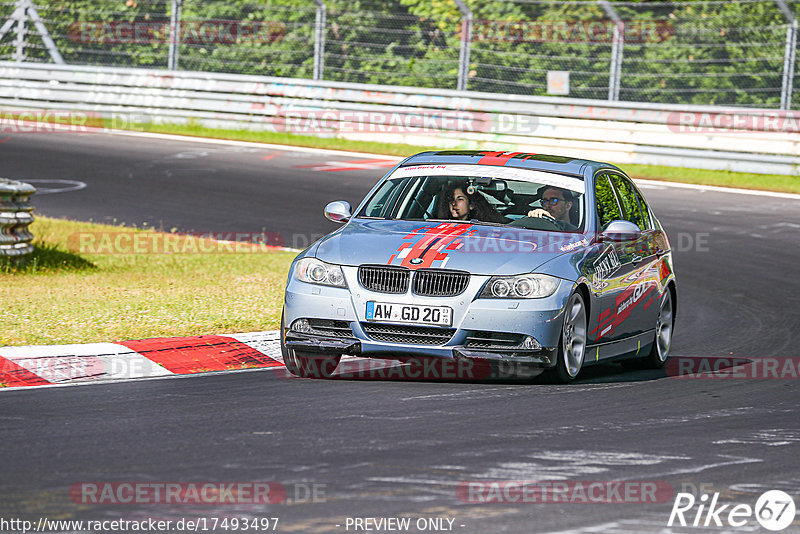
x,y
663,339
572,346
307,364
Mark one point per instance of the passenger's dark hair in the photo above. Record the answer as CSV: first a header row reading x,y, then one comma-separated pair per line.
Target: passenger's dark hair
x,y
480,208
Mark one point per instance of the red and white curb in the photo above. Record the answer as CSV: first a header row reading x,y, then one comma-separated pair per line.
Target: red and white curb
x,y
146,358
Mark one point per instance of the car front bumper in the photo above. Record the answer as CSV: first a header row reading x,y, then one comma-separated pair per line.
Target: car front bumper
x,y
316,344
539,318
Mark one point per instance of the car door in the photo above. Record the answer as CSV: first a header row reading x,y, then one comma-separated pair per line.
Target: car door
x,y
610,270
635,311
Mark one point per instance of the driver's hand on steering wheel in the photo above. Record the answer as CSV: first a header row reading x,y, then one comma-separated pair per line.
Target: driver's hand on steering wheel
x,y
542,213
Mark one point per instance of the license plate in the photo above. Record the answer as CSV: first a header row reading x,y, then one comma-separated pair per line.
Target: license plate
x,y
409,313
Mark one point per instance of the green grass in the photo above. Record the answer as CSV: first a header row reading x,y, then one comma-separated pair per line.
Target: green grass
x,y
767,182
60,295
764,182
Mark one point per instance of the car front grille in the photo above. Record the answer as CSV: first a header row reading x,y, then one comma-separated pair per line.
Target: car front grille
x,y
437,283
330,328
384,279
410,335
426,282
494,340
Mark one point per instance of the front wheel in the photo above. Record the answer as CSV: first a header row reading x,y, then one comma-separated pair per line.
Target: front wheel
x,y
663,340
307,364
572,345
310,365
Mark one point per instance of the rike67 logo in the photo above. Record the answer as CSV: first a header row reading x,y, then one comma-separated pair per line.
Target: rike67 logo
x,y
774,510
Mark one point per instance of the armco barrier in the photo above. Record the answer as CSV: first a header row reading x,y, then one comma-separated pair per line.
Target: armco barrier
x,y
16,214
738,139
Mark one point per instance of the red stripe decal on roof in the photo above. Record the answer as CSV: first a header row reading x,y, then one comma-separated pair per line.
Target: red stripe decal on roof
x,y
496,158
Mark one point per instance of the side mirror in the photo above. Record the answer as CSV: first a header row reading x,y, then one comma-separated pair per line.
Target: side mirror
x,y
621,231
338,211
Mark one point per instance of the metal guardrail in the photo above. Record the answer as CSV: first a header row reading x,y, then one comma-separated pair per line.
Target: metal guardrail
x,y
16,214
733,52
737,139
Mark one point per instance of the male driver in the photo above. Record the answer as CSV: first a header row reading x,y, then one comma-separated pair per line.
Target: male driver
x,y
556,203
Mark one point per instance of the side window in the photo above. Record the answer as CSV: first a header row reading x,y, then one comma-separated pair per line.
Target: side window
x,y
383,199
630,200
607,207
645,212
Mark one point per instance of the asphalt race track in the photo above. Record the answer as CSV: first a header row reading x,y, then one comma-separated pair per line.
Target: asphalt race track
x,y
394,448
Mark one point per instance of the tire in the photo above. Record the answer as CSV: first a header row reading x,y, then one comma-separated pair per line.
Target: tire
x,y
572,345
663,338
307,364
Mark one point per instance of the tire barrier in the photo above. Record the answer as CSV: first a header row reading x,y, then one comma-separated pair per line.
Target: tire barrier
x,y
16,214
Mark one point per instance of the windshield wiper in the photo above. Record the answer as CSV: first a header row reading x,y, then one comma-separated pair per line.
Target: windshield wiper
x,y
476,221
471,221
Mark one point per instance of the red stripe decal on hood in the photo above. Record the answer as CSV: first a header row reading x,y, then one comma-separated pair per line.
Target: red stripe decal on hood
x,y
433,244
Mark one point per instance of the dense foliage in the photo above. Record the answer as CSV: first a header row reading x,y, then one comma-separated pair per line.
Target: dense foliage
x,y
682,52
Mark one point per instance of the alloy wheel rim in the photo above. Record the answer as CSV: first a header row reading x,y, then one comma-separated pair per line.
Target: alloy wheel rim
x,y
295,359
574,337
664,328
292,359
290,355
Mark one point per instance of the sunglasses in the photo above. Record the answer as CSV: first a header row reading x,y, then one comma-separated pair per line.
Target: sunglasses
x,y
554,201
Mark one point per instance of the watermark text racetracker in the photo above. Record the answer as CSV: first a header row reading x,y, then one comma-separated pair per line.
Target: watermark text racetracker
x,y
198,32
565,491
195,493
410,120
592,31
500,241
49,121
734,368
146,242
703,122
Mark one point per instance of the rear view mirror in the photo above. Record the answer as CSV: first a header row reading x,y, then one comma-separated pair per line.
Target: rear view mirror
x,y
338,211
491,184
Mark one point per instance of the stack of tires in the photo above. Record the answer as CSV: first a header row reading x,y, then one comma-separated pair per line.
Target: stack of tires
x,y
16,215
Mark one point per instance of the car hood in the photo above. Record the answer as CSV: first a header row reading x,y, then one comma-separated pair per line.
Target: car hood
x,y
479,249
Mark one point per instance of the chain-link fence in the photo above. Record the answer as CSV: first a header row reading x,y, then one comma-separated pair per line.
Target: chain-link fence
x,y
739,52
688,52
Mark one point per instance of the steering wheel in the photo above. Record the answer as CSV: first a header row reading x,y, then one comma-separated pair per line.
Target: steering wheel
x,y
545,222
417,202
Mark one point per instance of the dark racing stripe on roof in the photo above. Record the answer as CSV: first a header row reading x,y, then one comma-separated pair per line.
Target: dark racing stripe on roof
x,y
565,165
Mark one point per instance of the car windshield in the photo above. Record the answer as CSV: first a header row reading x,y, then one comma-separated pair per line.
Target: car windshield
x,y
481,194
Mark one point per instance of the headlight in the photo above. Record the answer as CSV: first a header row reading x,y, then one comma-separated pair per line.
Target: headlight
x,y
523,286
314,271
